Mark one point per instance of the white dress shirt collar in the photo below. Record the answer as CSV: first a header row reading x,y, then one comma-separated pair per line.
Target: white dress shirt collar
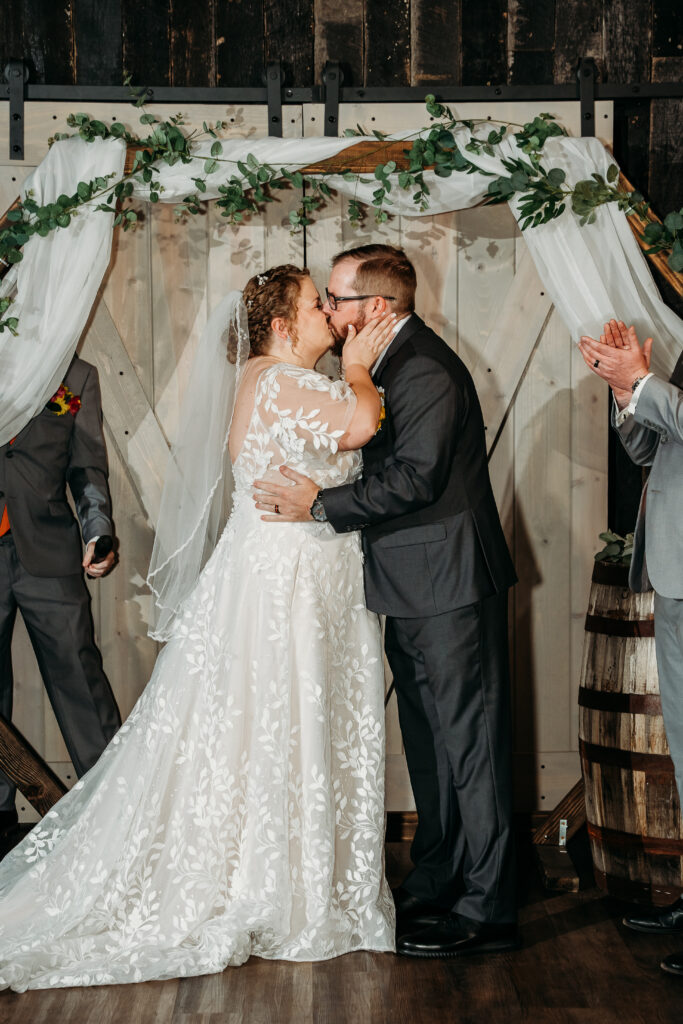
x,y
397,327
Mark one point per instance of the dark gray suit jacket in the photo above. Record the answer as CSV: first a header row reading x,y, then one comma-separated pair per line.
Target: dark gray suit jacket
x,y
49,453
432,537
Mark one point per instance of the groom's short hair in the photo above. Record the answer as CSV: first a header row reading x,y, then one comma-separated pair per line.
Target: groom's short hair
x,y
383,270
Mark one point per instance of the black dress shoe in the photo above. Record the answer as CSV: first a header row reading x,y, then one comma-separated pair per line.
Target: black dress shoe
x,y
412,913
673,964
660,922
456,935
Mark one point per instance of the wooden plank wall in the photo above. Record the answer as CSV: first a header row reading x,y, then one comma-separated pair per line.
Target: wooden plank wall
x,y
162,281
477,288
408,42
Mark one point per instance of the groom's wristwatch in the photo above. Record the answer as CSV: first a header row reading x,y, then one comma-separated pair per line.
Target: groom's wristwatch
x,y
318,509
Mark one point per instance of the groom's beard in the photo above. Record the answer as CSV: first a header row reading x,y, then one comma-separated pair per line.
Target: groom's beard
x,y
339,338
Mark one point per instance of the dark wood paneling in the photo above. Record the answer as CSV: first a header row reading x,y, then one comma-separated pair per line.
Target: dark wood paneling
x,y
484,42
240,42
339,37
435,42
193,43
97,35
632,141
578,33
11,34
531,40
48,40
146,42
666,140
667,28
387,42
289,38
628,36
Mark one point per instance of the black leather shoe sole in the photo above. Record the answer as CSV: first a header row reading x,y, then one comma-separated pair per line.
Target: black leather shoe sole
x,y
487,946
670,969
652,929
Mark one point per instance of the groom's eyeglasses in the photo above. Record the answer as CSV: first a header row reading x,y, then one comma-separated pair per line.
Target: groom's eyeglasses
x,y
334,300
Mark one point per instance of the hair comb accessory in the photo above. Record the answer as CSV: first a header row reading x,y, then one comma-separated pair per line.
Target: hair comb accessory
x,y
261,279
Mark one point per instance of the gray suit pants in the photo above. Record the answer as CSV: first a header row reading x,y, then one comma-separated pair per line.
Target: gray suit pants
x,y
453,690
669,646
56,612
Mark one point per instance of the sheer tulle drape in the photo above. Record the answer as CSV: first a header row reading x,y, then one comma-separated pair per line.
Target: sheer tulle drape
x,y
592,273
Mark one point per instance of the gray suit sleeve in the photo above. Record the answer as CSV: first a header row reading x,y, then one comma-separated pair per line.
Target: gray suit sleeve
x,y
87,474
639,441
660,409
425,407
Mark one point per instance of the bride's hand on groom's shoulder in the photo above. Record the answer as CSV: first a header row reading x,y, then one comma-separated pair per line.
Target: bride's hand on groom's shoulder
x,y
364,347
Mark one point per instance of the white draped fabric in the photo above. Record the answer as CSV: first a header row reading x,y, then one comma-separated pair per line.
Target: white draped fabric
x,y
55,285
592,273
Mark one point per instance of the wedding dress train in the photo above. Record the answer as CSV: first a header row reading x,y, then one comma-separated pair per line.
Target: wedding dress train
x,y
240,809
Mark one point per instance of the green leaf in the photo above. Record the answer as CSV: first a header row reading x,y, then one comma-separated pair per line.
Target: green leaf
x,y
14,215
210,166
675,262
556,176
653,232
673,222
612,172
63,220
217,149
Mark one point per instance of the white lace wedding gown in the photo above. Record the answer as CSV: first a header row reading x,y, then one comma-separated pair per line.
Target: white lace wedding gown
x,y
240,808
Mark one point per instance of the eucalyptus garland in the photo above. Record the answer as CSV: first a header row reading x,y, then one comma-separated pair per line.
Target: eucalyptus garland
x,y
542,193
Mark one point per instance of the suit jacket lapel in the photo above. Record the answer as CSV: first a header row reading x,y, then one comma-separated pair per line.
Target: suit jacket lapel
x,y
410,327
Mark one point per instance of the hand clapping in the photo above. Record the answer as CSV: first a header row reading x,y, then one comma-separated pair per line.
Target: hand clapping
x,y
618,357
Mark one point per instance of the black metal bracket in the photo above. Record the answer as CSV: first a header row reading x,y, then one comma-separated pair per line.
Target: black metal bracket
x,y
16,74
587,75
332,82
274,81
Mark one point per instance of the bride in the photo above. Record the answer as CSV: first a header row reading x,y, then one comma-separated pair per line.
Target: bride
x,y
240,809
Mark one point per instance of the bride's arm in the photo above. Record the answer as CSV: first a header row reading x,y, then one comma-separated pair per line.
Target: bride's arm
x,y
361,351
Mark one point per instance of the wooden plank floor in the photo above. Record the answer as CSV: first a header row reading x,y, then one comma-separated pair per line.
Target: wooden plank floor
x,y
578,964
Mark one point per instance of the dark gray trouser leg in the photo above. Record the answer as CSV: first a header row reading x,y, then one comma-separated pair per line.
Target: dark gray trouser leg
x,y
438,847
669,647
56,611
8,614
465,667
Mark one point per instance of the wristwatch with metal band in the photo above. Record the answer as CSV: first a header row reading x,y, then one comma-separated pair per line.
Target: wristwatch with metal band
x,y
318,509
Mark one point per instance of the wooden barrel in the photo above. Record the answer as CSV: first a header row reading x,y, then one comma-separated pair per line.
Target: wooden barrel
x,y
632,806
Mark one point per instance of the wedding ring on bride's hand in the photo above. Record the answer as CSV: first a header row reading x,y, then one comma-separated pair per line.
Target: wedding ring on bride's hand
x,y
596,363
276,510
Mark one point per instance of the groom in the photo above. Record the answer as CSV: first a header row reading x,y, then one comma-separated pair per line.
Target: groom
x,y
436,564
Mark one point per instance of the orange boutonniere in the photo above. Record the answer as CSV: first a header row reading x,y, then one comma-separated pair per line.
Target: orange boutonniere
x,y
382,411
64,401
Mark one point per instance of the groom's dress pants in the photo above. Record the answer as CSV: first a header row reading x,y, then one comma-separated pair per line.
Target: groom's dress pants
x,y
56,612
452,684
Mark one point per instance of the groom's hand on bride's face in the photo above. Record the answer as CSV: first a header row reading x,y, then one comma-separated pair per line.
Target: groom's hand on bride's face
x,y
292,500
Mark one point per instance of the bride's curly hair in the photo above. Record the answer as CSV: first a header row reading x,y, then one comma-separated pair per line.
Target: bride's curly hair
x,y
274,293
